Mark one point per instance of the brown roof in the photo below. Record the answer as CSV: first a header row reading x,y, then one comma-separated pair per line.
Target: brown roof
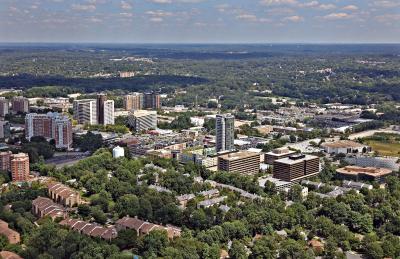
x,y
9,255
8,232
342,144
132,223
371,171
61,189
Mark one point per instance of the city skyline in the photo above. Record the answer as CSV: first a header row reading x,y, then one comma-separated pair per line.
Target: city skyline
x,y
200,21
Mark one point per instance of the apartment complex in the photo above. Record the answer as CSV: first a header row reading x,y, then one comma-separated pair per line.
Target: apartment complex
x,y
20,104
133,101
85,111
90,229
5,161
64,195
225,130
50,126
45,207
296,167
243,162
19,165
4,106
276,154
5,131
151,101
142,120
357,173
92,112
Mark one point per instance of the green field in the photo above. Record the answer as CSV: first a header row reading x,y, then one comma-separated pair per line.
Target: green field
x,y
388,145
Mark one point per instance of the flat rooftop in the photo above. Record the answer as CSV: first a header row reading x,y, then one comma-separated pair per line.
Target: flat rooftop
x,y
342,144
371,171
280,151
238,155
295,159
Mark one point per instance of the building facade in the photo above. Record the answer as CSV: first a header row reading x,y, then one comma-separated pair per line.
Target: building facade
x,y
50,126
4,106
225,132
142,120
108,113
101,99
20,104
296,167
19,164
5,161
151,101
243,162
85,111
5,131
133,101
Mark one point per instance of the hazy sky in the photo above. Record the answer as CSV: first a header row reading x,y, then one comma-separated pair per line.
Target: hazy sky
x,y
184,21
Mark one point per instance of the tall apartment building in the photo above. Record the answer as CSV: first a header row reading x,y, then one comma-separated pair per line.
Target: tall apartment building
x,y
243,162
142,120
101,99
20,104
4,106
5,131
85,111
108,112
296,167
19,167
225,132
151,101
50,126
133,101
5,161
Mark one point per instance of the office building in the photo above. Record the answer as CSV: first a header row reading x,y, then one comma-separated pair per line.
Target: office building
x,y
243,162
5,131
4,106
108,113
276,154
85,111
19,167
296,167
151,101
20,104
345,147
357,173
50,126
101,99
225,132
133,101
142,120
5,161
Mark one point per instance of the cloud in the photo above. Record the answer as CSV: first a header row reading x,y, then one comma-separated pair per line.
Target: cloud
x,y
327,6
278,2
294,18
350,8
83,7
176,1
386,3
125,5
337,16
388,18
126,14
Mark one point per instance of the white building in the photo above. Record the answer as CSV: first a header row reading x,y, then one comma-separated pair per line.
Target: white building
x,y
345,147
109,112
118,152
225,127
142,120
85,111
4,106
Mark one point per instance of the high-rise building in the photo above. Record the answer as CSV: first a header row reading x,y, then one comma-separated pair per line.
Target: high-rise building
x,y
225,132
20,104
50,126
243,162
5,160
4,106
151,101
85,111
142,120
19,167
133,101
101,99
296,167
5,131
108,112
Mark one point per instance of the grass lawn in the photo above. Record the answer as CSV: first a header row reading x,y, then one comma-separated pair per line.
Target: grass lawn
x,y
385,148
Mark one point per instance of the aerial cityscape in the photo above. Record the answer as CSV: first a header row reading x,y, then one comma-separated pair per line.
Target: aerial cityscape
x,y
191,129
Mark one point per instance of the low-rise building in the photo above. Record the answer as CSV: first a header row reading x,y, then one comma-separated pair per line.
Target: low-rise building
x,y
45,207
211,202
64,195
90,229
345,147
184,199
357,173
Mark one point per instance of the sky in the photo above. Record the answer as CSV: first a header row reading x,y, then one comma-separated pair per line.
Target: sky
x,y
200,21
